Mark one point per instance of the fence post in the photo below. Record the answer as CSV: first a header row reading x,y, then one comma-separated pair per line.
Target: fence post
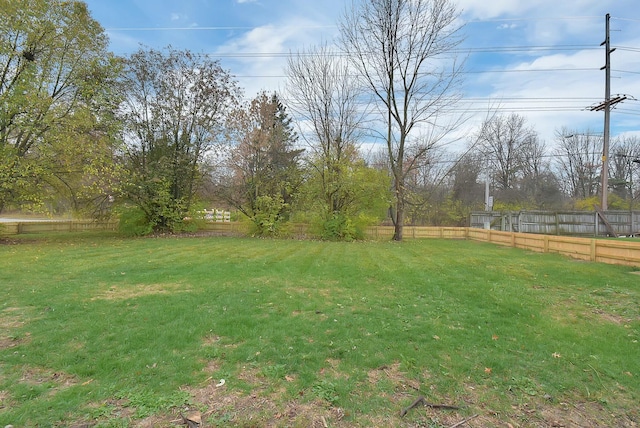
x,y
593,249
520,221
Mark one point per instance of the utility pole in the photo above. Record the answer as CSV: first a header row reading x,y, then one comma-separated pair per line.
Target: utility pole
x,y
607,117
606,106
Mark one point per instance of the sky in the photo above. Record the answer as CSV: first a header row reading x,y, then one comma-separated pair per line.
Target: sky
x,y
541,59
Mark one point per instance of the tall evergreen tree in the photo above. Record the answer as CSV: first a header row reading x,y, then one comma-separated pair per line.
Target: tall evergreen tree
x,y
263,172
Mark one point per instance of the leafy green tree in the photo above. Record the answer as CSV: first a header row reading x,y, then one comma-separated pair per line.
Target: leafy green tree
x,y
175,108
263,170
55,74
363,195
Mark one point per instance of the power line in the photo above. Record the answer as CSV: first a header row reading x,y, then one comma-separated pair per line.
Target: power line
x,y
215,28
532,70
231,28
471,104
625,19
536,70
626,71
531,19
484,49
628,49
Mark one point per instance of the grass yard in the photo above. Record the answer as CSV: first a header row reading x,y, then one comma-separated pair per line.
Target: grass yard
x,y
96,330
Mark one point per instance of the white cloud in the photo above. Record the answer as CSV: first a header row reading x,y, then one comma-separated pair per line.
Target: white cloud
x,y
535,83
266,49
474,9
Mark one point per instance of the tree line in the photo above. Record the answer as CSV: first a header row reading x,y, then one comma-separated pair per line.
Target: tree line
x,y
158,135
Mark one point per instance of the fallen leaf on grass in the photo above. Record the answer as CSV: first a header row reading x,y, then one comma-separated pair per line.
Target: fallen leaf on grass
x,y
495,337
192,421
195,417
487,370
556,355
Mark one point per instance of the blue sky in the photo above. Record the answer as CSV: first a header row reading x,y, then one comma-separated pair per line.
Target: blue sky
x,y
539,58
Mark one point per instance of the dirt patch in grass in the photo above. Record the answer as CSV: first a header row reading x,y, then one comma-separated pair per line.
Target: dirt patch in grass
x,y
612,318
8,241
5,400
583,415
38,376
12,319
140,290
7,342
211,340
232,408
268,405
391,372
569,313
219,405
404,392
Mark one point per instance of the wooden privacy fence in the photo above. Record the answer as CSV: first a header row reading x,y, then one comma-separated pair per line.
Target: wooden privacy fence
x,y
609,251
574,223
417,232
20,227
612,251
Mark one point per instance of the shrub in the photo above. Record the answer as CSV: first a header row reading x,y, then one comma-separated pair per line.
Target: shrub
x,y
134,222
268,219
341,228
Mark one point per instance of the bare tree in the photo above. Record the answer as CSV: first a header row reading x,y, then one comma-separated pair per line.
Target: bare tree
x,y
510,146
578,156
403,51
468,180
625,167
325,95
425,183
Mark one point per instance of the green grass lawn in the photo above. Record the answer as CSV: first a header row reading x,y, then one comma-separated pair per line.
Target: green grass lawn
x,y
112,332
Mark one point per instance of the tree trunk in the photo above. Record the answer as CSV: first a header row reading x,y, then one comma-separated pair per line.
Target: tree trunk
x,y
399,223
